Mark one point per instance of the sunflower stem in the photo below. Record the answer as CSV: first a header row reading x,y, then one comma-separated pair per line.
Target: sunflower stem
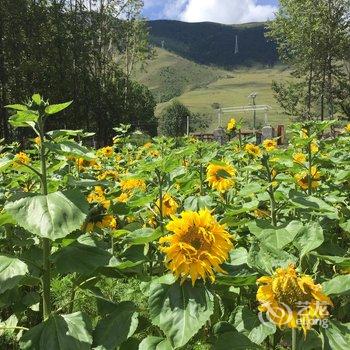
x,y
310,169
112,245
271,192
160,184
46,244
294,339
201,177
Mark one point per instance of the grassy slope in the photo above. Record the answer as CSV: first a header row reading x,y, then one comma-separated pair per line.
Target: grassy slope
x,y
234,91
199,86
169,75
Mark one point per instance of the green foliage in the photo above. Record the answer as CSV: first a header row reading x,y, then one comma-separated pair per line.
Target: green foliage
x,y
180,311
12,271
117,326
173,120
313,38
60,332
81,229
81,51
50,216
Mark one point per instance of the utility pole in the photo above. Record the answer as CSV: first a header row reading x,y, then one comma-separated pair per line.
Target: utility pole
x,y
253,96
188,125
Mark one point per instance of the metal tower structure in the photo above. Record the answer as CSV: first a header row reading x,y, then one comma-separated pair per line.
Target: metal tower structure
x,y
236,45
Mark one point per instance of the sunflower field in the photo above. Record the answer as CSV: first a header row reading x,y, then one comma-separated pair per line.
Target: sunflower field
x,y
173,243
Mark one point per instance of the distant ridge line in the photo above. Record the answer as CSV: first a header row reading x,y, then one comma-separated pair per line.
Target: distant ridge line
x,y
210,43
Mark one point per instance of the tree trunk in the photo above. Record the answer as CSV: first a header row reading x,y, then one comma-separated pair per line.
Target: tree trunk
x,y
3,97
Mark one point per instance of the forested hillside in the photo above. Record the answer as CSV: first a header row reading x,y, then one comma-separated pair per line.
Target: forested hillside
x,y
214,43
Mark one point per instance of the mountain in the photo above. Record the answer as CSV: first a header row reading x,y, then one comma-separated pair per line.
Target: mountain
x,y
170,75
196,64
214,44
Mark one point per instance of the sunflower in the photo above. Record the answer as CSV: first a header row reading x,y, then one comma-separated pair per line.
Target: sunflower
x,y
129,185
98,196
197,247
108,221
169,205
82,163
304,133
22,158
106,151
270,145
154,153
292,300
231,126
299,158
37,140
303,178
108,174
220,177
123,198
314,147
253,150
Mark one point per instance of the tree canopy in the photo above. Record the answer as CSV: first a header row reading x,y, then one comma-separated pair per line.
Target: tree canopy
x,y
77,50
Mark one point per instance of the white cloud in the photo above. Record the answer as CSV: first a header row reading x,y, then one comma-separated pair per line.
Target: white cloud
x,y
226,11
222,11
174,9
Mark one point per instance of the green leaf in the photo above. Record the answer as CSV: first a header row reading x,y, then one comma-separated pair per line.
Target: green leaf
x,y
8,326
312,341
12,271
6,218
342,262
26,118
309,238
337,285
71,148
336,335
180,311
250,189
314,204
112,330
155,343
59,332
275,238
53,109
237,276
143,236
346,226
235,341
82,256
239,256
17,107
196,203
52,216
63,133
267,259
248,323
140,201
37,99
5,162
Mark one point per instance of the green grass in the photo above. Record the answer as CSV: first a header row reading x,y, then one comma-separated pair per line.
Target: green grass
x,y
171,77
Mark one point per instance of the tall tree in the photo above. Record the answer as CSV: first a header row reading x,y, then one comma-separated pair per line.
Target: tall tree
x,y
71,49
313,39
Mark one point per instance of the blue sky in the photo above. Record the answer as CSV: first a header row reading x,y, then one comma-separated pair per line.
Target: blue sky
x,y
223,11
